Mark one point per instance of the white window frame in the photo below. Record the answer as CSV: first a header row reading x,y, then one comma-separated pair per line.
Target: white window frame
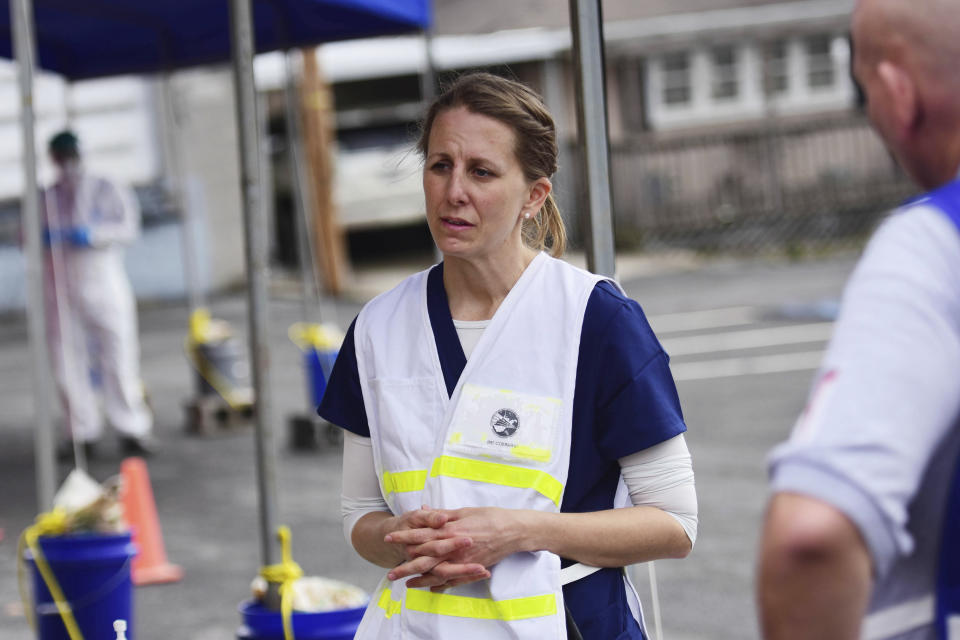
x,y
726,74
671,79
775,68
820,63
751,101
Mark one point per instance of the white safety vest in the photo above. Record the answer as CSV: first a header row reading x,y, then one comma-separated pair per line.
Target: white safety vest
x,y
502,439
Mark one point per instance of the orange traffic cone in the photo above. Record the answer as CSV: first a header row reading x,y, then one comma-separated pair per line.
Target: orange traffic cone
x,y
150,565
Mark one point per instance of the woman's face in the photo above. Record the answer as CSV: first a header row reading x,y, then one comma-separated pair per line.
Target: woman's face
x,y
475,190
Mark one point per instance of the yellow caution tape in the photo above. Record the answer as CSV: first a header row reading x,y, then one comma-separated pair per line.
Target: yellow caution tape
x,y
204,330
403,481
53,523
320,337
447,604
386,602
537,454
200,322
497,473
285,574
236,398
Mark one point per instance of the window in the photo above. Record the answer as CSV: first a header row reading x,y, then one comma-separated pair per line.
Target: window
x,y
676,79
723,82
776,74
820,70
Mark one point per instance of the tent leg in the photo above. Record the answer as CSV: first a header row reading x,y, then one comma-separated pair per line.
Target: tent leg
x,y
257,257
587,25
21,19
177,186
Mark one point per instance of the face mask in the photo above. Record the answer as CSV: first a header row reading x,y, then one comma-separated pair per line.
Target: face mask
x,y
70,170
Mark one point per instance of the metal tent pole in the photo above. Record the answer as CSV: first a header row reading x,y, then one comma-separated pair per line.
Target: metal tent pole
x,y
21,19
586,21
428,92
587,25
257,256
428,79
176,185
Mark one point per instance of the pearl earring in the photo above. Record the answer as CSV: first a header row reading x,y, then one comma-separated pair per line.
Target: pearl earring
x,y
526,215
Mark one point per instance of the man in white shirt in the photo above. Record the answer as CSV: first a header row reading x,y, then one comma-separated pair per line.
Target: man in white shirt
x,y
852,540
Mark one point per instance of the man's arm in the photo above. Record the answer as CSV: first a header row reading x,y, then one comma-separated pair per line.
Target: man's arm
x,y
814,574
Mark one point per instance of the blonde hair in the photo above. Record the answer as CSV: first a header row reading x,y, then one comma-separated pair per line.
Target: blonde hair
x,y
521,109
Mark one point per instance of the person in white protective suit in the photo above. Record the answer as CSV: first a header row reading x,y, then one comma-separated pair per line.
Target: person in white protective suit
x,y
90,308
501,404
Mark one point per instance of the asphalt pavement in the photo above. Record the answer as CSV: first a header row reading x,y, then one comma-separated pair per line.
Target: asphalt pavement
x,y
744,338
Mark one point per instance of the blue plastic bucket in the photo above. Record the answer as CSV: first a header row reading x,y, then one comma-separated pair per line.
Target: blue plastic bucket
x,y
319,364
93,571
260,623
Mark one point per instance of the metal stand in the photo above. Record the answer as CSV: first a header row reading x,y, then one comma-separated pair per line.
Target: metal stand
x,y
587,25
255,235
21,20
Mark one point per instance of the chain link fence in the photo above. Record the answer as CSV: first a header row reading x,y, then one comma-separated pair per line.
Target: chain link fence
x,y
783,187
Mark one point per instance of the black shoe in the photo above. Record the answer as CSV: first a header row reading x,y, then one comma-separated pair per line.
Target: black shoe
x,y
65,451
143,446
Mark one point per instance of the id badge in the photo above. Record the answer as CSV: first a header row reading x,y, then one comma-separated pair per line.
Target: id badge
x,y
505,425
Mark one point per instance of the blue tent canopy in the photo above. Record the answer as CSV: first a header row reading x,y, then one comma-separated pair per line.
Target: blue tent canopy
x,y
94,38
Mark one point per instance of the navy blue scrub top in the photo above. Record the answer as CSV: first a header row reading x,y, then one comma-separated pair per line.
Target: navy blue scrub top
x,y
625,400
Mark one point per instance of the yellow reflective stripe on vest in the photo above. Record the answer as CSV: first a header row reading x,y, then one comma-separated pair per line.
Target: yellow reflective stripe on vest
x,y
496,473
401,481
446,604
388,604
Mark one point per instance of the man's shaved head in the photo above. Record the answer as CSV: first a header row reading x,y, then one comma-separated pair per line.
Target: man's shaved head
x,y
923,35
906,57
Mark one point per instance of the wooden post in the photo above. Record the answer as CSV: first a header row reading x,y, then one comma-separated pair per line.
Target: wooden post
x,y
317,109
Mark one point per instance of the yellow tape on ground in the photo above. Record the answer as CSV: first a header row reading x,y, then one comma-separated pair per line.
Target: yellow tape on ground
x,y
497,473
446,604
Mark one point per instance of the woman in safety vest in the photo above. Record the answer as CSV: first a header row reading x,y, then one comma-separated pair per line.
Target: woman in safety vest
x,y
494,402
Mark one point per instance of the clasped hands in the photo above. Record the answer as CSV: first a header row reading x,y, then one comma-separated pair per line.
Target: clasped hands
x,y
451,547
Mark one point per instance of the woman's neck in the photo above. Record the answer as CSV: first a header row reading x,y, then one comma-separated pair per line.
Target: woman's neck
x,y
475,288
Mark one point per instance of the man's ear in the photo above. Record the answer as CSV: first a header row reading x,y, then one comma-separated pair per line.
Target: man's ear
x,y
901,91
539,190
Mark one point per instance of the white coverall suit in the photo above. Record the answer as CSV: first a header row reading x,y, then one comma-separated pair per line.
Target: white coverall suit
x,y
89,302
